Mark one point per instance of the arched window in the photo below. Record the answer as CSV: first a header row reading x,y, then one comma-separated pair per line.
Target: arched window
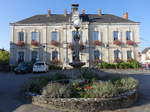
x,y
20,56
97,54
117,54
129,54
54,55
21,36
54,36
34,56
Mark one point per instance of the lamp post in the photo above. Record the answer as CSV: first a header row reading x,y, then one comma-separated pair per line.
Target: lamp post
x,y
76,60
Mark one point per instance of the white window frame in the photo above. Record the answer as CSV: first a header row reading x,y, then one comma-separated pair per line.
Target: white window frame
x,y
57,35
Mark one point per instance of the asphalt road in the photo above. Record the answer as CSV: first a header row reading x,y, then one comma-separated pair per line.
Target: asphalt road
x,y
10,99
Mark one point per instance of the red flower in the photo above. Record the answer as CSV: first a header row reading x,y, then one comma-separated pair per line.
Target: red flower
x,y
54,42
34,42
117,42
20,43
97,42
130,42
88,87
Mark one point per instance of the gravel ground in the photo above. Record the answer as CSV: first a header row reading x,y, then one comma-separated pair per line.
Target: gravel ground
x,y
11,101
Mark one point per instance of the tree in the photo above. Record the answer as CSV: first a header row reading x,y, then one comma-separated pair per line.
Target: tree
x,y
4,57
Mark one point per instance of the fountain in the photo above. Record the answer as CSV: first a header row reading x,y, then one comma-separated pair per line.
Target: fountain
x,y
76,63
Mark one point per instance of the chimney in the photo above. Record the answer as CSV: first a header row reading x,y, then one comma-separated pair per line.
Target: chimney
x,y
125,15
75,7
100,12
65,12
83,11
49,12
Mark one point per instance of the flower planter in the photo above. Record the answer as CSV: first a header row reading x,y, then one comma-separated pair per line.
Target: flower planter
x,y
20,43
34,43
87,104
130,42
55,43
117,42
97,43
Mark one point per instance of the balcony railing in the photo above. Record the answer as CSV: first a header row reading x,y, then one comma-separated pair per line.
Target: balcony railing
x,y
20,43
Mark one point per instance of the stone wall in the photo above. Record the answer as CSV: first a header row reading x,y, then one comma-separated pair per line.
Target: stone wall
x,y
87,104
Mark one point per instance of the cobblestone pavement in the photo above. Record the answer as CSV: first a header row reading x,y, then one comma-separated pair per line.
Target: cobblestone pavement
x,y
10,98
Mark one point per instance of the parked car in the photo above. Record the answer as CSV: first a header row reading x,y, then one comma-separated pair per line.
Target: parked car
x,y
40,66
23,68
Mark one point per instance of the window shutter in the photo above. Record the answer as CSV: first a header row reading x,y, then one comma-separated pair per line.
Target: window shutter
x,y
58,55
25,37
119,35
131,35
119,54
99,36
38,36
100,55
132,55
58,36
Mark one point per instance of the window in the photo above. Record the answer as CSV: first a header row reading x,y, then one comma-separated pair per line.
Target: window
x,y
116,35
34,56
54,55
129,54
116,54
21,36
95,35
54,36
96,54
34,36
128,35
20,56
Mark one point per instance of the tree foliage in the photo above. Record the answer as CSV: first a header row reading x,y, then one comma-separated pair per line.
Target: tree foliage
x,y
4,57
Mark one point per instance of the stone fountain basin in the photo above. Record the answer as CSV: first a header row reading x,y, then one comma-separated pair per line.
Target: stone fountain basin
x,y
77,64
87,104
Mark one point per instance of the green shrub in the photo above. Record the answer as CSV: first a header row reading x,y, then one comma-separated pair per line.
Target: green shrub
x,y
122,65
126,83
101,90
4,57
55,67
59,76
56,90
35,85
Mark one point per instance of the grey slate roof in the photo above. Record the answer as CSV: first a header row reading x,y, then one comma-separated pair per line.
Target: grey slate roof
x,y
145,50
60,18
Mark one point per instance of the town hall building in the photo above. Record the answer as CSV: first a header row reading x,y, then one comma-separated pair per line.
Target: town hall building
x,y
49,37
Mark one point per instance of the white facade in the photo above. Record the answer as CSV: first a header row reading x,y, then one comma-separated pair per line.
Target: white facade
x,y
64,30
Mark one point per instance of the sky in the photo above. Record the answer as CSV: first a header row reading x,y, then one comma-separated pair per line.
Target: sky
x,y
15,10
